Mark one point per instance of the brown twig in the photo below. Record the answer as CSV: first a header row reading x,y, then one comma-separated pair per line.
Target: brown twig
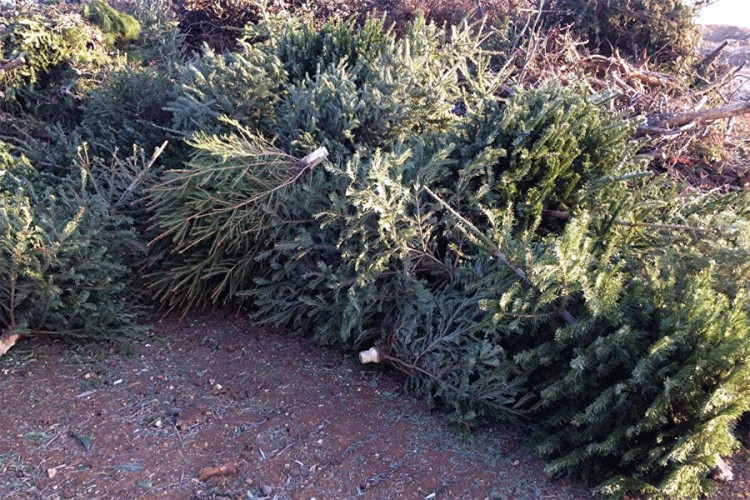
x,y
668,124
706,62
648,77
14,63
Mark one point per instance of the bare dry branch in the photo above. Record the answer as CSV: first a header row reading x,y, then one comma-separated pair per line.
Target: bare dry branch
x,y
13,63
668,125
706,62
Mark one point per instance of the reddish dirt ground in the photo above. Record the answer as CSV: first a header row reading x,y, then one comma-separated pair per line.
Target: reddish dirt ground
x,y
285,418
272,416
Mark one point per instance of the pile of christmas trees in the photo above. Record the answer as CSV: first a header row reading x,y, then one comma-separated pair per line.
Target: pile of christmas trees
x,y
67,240
511,255
499,242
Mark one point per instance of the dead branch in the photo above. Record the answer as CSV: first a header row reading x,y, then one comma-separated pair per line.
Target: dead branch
x,y
692,118
717,84
13,63
706,62
648,130
645,76
223,470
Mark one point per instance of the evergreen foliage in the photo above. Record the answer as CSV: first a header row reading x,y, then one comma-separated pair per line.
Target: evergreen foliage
x,y
70,221
511,255
242,86
663,30
117,26
231,187
160,45
52,52
63,253
447,249
387,95
127,109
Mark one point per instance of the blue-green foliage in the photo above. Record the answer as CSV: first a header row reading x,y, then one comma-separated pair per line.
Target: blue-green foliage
x,y
372,90
511,255
515,260
127,109
63,254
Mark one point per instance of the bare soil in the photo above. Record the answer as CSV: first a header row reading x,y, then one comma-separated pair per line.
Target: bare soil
x,y
273,415
210,407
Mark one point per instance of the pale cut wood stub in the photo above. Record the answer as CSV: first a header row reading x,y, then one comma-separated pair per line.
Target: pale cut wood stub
x,y
371,355
722,472
7,340
315,157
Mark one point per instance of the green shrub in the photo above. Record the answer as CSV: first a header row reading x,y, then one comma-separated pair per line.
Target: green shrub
x,y
306,50
118,27
663,30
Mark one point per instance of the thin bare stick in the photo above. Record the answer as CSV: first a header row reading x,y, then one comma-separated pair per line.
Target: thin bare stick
x,y
697,117
706,62
139,178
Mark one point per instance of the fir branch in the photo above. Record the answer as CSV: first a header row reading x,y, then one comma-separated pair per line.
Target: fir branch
x,y
497,253
565,216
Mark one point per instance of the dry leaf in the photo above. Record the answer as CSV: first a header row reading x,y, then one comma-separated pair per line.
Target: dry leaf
x,y
51,473
7,340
